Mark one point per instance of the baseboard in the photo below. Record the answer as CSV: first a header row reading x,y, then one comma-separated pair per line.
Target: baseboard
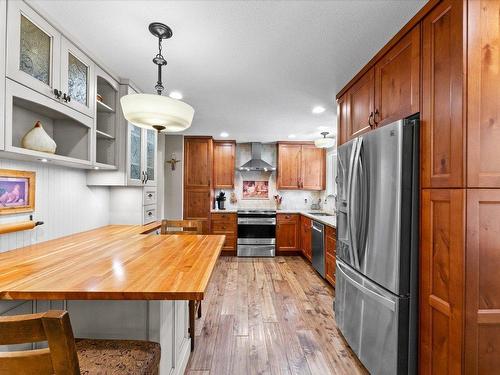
x,y
288,252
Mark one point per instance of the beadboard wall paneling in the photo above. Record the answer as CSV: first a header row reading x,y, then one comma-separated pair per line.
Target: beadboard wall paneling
x,y
63,202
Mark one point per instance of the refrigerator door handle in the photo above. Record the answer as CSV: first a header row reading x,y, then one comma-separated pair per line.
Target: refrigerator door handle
x,y
391,305
352,218
349,193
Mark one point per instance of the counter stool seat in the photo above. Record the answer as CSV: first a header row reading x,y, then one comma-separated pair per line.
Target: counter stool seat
x,y
124,357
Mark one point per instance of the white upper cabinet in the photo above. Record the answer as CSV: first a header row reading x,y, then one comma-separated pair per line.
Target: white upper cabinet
x,y
33,50
39,57
77,79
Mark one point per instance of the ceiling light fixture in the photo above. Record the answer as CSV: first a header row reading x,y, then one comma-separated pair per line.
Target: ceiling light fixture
x,y
324,142
175,95
291,136
224,134
322,128
318,109
156,111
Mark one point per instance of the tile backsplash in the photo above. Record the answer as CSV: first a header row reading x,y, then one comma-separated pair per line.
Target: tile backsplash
x,y
292,199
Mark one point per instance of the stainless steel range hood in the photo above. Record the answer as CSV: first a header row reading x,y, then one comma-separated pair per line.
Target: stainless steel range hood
x,y
256,163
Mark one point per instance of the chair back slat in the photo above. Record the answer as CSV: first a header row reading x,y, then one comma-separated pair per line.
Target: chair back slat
x,y
181,227
21,329
54,327
61,342
26,362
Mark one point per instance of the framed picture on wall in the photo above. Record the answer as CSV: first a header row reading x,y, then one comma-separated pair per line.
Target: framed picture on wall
x,y
255,189
17,191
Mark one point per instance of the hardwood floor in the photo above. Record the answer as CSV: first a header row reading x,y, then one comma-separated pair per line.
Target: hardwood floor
x,y
269,316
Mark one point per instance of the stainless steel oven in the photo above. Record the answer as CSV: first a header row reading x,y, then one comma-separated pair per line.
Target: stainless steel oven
x,y
256,233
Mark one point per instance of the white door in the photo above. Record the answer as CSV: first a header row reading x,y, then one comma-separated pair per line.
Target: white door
x,y
135,172
33,50
77,79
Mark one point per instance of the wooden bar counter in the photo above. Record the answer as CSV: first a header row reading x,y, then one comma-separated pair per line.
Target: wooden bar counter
x,y
118,281
116,262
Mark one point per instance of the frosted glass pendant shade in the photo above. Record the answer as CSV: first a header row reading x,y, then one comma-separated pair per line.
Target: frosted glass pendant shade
x,y
148,110
324,142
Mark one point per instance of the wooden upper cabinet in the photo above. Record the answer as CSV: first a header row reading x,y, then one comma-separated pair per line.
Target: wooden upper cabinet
x,y
342,111
198,162
224,155
301,166
397,80
483,109
483,279
441,119
442,254
313,168
360,104
289,164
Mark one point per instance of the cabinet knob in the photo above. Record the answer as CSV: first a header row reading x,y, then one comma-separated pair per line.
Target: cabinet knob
x,y
150,195
375,117
370,120
66,98
57,93
150,213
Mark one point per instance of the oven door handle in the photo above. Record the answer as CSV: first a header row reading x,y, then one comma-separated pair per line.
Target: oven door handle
x,y
257,221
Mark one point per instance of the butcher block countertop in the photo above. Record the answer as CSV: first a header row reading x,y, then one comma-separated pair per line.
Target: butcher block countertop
x,y
115,262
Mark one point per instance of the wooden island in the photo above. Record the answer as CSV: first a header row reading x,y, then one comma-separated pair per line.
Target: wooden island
x,y
118,281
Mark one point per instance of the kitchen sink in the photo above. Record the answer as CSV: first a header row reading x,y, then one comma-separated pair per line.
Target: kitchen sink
x,y
319,214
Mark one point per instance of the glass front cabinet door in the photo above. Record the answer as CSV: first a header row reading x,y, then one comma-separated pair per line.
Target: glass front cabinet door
x,y
141,158
77,82
33,50
150,167
135,159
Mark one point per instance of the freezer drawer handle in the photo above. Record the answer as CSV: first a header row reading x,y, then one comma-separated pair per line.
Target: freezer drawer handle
x,y
383,300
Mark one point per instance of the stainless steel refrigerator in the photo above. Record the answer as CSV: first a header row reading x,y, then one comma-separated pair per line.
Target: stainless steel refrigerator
x,y
376,302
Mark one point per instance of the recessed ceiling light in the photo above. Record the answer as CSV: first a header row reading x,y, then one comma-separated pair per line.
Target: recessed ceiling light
x,y
175,95
291,136
224,134
318,109
96,167
43,160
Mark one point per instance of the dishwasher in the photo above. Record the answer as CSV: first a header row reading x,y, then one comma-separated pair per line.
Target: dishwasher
x,y
318,247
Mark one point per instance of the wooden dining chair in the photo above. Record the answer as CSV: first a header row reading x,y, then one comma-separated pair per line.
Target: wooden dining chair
x,y
181,227
68,356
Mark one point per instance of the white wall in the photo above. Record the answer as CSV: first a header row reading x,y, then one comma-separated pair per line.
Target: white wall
x,y
173,192
63,202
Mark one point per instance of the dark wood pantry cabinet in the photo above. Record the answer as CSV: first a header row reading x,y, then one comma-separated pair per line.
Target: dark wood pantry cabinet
x,y
198,155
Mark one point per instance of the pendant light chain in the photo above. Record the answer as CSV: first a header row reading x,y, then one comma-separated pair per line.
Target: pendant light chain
x,y
159,60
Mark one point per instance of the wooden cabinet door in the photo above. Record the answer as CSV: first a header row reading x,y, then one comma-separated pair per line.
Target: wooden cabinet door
x,y
305,237
224,154
442,255
289,165
397,80
482,337
441,118
197,206
483,94
287,232
198,162
330,247
342,112
313,171
360,104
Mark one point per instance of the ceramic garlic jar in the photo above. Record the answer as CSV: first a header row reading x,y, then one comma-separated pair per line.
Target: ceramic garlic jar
x,y
37,139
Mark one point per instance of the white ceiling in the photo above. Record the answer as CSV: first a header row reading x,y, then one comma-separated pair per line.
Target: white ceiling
x,y
254,69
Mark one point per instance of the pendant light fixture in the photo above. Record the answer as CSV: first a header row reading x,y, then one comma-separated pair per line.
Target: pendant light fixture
x,y
154,110
324,142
